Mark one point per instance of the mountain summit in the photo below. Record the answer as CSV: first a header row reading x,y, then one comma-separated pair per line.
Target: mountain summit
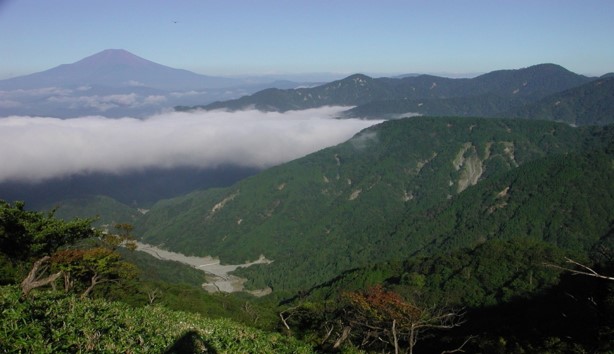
x,y
110,57
117,68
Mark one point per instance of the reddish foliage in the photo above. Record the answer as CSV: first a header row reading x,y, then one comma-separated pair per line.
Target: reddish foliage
x,y
382,305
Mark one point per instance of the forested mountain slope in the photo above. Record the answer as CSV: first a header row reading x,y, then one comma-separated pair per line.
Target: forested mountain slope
x,y
342,207
487,105
106,210
589,104
565,200
496,250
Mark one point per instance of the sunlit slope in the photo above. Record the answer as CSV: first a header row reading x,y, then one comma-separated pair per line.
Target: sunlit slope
x,y
336,209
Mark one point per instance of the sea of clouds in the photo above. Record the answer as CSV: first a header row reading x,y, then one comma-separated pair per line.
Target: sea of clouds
x,y
39,148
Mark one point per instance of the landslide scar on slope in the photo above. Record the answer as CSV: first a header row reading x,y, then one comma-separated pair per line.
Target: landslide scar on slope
x,y
217,207
471,167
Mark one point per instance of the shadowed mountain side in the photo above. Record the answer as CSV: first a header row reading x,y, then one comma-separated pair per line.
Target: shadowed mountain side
x,y
589,104
474,106
136,189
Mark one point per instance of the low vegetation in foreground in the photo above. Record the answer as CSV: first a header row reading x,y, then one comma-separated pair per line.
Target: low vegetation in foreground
x,y
53,322
58,282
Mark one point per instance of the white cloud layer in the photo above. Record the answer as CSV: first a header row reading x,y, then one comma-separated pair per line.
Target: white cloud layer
x,y
77,99
34,148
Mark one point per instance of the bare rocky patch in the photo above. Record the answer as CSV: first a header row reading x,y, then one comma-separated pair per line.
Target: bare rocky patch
x,y
219,279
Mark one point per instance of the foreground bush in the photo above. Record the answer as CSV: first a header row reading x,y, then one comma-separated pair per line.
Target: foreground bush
x,y
51,322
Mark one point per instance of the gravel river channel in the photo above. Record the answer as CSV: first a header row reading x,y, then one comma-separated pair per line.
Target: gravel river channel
x,y
219,279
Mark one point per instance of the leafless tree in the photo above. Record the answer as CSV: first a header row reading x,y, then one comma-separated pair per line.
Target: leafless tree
x,y
152,295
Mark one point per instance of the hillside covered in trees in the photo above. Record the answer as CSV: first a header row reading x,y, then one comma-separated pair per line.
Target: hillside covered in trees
x,y
364,201
589,104
408,220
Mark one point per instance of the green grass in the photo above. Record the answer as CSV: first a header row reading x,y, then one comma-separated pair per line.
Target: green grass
x,y
52,322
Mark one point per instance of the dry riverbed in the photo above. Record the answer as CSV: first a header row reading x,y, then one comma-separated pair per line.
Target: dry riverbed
x,y
217,274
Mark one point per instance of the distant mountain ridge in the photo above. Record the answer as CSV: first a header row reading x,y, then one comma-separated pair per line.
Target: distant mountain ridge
x,y
523,85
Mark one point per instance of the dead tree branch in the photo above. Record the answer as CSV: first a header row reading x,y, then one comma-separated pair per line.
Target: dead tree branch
x,y
584,270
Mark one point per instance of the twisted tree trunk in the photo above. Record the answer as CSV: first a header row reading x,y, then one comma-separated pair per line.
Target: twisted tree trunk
x,y
33,280
96,279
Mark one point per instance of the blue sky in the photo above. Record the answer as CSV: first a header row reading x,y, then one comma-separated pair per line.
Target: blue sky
x,y
226,37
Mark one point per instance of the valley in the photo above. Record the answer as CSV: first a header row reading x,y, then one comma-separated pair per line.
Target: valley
x,y
342,210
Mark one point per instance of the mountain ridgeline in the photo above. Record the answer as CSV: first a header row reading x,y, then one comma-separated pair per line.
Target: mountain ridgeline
x,y
395,190
486,95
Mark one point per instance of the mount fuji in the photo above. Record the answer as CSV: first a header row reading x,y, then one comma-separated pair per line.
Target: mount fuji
x,y
117,83
118,68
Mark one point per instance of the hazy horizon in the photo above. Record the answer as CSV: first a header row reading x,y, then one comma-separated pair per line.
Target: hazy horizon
x,y
295,76
283,38
316,77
